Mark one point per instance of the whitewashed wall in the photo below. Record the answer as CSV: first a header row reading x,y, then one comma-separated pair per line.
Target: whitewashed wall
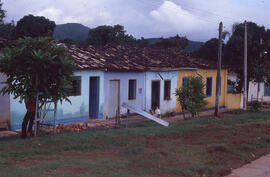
x,y
124,77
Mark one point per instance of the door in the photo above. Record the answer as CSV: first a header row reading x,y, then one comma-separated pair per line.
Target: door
x,y
94,97
155,96
114,98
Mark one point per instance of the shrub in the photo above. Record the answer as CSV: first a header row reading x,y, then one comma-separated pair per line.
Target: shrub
x,y
191,95
255,106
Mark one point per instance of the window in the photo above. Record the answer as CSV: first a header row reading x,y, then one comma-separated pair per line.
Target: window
x,y
76,83
132,89
266,90
184,81
167,90
209,86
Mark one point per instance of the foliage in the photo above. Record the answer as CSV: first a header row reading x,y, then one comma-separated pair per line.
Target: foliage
x,y
2,13
191,95
34,26
173,42
232,87
209,50
6,29
255,105
103,35
193,46
258,61
37,65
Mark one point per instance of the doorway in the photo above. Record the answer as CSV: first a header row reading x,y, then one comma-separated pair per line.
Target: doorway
x,y
94,97
114,98
155,96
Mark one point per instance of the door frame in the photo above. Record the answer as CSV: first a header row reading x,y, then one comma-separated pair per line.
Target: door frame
x,y
98,95
119,95
152,92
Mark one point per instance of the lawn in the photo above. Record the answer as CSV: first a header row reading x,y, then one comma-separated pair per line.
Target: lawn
x,y
197,147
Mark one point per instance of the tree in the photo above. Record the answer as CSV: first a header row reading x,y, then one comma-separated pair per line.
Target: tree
x,y
37,65
209,50
173,42
34,26
6,29
191,95
2,13
103,35
257,60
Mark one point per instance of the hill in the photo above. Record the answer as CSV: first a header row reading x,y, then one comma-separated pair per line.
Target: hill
x,y
73,31
193,46
78,32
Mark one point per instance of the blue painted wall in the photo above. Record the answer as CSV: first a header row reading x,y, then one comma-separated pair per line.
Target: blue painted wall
x,y
124,77
165,105
66,112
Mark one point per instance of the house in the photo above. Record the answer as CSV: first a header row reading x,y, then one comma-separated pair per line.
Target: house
x,y
4,99
128,75
259,91
145,78
256,91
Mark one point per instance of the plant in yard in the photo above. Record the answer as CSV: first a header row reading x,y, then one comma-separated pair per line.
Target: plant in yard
x,y
37,65
191,95
255,105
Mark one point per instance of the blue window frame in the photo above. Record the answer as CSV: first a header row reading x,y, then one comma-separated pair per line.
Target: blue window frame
x,y
76,86
208,91
266,90
184,81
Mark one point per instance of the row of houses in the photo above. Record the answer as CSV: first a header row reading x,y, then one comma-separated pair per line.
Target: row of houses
x,y
145,78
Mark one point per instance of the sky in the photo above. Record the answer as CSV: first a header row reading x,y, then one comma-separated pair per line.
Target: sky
x,y
198,20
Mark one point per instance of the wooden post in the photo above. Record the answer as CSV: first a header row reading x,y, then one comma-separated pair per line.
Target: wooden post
x,y
245,70
127,118
54,119
218,79
36,115
258,86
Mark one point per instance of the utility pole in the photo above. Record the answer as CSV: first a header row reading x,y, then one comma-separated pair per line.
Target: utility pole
x,y
258,86
245,70
218,79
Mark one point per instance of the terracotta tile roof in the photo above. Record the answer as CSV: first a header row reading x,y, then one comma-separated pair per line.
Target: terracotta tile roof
x,y
130,58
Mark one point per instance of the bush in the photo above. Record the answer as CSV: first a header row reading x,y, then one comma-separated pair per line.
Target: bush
x,y
255,106
191,95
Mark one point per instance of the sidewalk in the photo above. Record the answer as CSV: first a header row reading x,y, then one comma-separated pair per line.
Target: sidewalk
x,y
257,168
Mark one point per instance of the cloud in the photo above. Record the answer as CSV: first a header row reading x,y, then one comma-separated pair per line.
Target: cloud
x,y
196,19
52,13
171,17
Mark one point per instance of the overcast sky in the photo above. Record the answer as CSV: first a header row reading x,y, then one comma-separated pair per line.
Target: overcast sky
x,y
196,19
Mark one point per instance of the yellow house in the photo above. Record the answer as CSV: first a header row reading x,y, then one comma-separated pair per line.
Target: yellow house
x,y
209,78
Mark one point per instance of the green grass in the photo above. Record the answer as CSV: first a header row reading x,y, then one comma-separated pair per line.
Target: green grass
x,y
196,147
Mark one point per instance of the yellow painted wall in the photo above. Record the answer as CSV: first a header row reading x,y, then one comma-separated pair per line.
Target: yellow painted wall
x,y
206,73
233,101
